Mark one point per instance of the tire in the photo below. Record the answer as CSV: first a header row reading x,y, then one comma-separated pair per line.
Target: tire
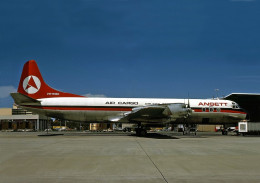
x,y
143,133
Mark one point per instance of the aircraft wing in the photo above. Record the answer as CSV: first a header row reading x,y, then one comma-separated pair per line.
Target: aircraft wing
x,y
153,112
249,102
146,112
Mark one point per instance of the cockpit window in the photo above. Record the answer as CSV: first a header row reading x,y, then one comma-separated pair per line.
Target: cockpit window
x,y
235,105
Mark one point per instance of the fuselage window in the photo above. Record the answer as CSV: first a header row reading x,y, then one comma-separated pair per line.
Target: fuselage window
x,y
211,109
203,109
218,110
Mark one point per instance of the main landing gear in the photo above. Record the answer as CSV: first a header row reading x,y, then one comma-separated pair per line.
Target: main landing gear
x,y
140,131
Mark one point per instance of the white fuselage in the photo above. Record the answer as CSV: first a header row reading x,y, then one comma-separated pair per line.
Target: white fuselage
x,y
107,109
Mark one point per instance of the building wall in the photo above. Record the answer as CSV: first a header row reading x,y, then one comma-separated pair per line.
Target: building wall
x,y
100,126
8,121
5,111
207,128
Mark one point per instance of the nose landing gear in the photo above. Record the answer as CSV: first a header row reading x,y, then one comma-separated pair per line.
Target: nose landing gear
x,y
224,131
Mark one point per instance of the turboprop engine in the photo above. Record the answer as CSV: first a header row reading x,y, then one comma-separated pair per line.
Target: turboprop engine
x,y
180,110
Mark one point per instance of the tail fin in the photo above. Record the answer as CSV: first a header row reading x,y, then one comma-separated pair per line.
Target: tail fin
x,y
32,84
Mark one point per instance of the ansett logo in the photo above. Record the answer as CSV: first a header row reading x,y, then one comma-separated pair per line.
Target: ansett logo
x,y
31,84
212,104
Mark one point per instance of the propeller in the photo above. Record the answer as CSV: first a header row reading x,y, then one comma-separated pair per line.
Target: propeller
x,y
188,106
188,100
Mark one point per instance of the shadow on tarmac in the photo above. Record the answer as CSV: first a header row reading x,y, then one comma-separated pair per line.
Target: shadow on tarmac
x,y
149,135
157,136
153,135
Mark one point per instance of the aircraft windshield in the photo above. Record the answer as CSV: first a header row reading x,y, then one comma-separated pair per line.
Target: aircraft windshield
x,y
235,105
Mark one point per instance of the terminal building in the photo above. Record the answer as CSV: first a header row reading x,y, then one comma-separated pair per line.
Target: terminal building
x,y
16,119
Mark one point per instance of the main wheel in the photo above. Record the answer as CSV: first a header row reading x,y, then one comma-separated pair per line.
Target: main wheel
x,y
224,132
143,133
140,132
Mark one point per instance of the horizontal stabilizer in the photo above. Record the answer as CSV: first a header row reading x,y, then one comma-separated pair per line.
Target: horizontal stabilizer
x,y
22,99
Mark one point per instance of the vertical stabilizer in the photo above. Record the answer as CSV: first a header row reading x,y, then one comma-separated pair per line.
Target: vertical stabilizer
x,y
32,84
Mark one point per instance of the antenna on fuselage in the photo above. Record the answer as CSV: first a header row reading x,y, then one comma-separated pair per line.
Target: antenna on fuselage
x,y
217,91
188,100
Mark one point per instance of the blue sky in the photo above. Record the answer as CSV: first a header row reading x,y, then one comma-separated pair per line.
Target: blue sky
x,y
133,48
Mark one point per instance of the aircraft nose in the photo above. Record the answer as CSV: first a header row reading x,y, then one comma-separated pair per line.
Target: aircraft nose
x,y
244,114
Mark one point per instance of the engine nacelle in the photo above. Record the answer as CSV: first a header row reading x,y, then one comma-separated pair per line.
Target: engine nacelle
x,y
178,110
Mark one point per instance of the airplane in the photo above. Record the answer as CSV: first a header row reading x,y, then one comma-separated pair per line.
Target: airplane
x,y
35,95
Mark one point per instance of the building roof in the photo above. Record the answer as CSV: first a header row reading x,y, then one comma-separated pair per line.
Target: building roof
x,y
18,117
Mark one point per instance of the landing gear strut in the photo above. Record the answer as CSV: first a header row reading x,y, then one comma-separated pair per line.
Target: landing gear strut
x,y
224,131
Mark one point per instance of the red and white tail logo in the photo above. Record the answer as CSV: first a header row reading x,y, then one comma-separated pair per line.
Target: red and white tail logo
x,y
33,85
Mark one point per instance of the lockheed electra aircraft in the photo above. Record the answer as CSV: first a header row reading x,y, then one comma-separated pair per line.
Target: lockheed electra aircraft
x,y
35,95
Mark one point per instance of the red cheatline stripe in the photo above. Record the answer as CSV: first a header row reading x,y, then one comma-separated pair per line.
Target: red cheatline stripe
x,y
232,111
224,111
83,108
117,109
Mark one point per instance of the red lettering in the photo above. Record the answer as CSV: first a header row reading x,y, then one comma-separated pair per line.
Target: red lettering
x,y
223,104
213,104
205,103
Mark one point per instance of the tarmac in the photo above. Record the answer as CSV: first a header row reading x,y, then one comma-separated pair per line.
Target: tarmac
x,y
124,157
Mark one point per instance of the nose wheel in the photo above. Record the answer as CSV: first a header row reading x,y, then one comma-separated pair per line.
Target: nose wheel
x,y
224,132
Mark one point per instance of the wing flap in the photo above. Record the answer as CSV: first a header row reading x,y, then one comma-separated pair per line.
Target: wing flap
x,y
147,112
156,112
